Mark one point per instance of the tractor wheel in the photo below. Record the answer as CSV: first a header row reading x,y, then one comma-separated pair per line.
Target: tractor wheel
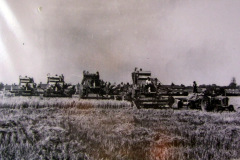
x,y
217,108
171,101
192,105
137,105
231,108
133,104
180,104
205,104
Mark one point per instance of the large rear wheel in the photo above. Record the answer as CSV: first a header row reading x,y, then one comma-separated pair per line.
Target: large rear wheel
x,y
136,104
205,104
171,101
231,108
180,104
192,105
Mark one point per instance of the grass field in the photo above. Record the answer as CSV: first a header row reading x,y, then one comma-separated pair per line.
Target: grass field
x,y
62,128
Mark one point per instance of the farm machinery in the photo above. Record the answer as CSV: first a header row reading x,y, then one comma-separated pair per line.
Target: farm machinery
x,y
92,87
56,87
123,91
209,102
27,87
145,93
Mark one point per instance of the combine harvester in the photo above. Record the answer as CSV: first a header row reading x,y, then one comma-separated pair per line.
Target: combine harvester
x,y
145,93
92,87
56,87
27,87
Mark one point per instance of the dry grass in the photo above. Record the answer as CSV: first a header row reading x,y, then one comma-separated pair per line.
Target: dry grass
x,y
62,128
36,102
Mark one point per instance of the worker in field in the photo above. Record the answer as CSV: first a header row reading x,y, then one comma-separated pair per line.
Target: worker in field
x,y
27,86
56,86
97,75
121,87
194,87
148,84
155,84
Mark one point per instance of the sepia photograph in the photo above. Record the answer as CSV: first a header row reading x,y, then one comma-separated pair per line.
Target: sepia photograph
x,y
120,80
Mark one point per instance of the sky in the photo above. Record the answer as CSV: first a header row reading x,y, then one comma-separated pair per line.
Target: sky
x,y
179,41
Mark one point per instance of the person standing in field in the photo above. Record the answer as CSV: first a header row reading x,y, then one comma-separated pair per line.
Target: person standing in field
x,y
194,87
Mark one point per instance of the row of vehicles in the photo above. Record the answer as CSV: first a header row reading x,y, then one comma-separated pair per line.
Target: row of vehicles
x,y
148,92
55,87
144,92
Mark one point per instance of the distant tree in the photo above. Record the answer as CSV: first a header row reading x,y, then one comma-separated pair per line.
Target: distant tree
x,y
233,80
233,83
203,86
1,86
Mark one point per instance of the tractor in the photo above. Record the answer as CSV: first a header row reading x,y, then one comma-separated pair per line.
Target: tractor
x,y
145,93
56,87
208,102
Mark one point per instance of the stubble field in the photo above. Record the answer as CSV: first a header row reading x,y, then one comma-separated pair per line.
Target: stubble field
x,y
64,128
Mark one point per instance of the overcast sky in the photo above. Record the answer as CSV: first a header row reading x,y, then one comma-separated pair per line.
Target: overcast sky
x,y
178,40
